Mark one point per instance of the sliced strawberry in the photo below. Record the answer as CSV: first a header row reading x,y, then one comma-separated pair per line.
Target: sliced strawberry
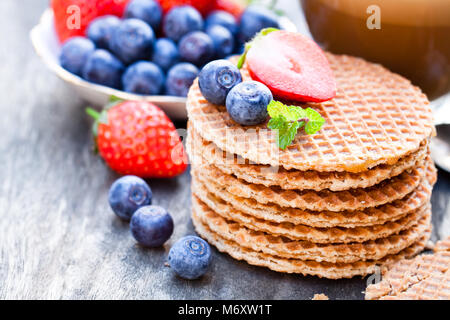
x,y
292,66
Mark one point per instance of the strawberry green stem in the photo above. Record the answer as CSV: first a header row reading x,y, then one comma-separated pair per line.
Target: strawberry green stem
x,y
93,113
249,44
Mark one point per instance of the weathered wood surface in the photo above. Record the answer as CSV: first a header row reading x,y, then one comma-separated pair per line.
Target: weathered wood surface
x,y
58,237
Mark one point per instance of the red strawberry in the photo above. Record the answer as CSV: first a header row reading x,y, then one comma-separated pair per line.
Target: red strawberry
x,y
292,66
234,7
138,138
203,6
114,7
68,12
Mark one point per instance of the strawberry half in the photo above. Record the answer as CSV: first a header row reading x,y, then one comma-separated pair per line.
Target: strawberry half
x,y
137,138
292,66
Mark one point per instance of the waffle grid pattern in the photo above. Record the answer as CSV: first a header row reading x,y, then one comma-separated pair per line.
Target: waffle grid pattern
x,y
376,118
317,235
353,199
305,232
320,219
304,267
306,250
208,153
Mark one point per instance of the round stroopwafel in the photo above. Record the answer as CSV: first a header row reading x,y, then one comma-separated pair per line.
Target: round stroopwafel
x,y
305,267
377,117
306,250
203,152
322,219
424,277
353,199
305,233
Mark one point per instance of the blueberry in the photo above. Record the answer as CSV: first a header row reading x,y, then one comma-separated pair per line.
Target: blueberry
x,y
180,21
143,77
151,226
165,54
133,40
180,78
101,31
224,19
247,103
74,54
222,39
216,79
128,194
103,68
148,11
190,257
254,19
197,48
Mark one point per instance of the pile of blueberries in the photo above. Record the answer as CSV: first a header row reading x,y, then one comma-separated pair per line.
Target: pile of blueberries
x,y
126,54
130,198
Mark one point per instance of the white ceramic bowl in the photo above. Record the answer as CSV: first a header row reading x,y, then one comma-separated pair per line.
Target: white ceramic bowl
x,y
47,46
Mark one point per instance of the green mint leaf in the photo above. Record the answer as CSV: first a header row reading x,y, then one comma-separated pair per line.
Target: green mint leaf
x,y
276,108
286,130
289,119
291,113
289,134
249,45
315,121
277,123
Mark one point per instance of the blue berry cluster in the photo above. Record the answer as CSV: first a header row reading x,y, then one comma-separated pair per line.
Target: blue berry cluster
x,y
130,198
150,54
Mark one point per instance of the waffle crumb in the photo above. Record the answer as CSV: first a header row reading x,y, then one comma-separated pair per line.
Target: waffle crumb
x,y
426,277
320,296
430,245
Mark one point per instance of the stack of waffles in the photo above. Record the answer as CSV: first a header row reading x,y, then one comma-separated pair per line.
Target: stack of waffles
x,y
335,204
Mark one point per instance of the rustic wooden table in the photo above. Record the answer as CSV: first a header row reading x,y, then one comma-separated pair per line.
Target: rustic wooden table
x,y
58,237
